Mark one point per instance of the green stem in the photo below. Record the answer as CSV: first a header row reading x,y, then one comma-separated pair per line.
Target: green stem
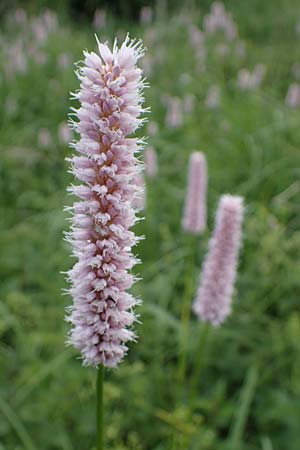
x,y
186,313
246,398
199,357
100,378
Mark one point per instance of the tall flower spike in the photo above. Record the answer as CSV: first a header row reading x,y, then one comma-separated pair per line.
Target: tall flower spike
x,y
106,165
194,216
213,300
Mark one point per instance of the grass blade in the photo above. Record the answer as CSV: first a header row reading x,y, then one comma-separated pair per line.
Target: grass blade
x,y
246,398
16,424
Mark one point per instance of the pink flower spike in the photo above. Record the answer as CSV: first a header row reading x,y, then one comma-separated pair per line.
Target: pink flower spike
x,y
139,200
293,96
146,15
213,299
106,166
151,162
64,133
174,118
212,100
99,20
194,217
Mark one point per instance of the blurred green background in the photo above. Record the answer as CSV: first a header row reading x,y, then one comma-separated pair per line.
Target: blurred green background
x,y
232,93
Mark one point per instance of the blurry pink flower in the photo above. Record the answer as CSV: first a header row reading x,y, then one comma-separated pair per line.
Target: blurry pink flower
x,y
147,65
99,20
258,74
230,29
151,162
18,61
152,128
197,42
293,96
139,199
174,117
218,10
146,15
64,133
39,30
214,296
64,60
248,81
49,18
20,16
44,138
219,20
105,162
244,79
196,37
194,216
212,100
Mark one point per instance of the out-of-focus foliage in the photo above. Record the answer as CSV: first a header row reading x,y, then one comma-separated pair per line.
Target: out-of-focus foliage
x,y
248,393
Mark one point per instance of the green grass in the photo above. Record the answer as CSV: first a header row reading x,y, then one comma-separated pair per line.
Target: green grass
x,y
248,392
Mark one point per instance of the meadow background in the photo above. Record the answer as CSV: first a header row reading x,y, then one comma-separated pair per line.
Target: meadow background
x,y
248,392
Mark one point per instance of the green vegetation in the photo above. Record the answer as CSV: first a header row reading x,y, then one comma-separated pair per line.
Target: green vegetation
x,y
248,392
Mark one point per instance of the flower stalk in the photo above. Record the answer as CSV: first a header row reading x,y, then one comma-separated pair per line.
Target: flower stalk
x,y
100,408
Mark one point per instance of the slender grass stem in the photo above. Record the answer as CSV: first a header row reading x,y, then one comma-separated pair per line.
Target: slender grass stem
x,y
247,394
16,424
199,357
100,412
266,443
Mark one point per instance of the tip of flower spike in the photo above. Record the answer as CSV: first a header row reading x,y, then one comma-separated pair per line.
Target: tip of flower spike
x,y
229,201
198,156
136,44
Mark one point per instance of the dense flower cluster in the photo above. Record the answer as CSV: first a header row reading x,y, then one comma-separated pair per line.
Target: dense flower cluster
x,y
213,300
194,215
106,164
